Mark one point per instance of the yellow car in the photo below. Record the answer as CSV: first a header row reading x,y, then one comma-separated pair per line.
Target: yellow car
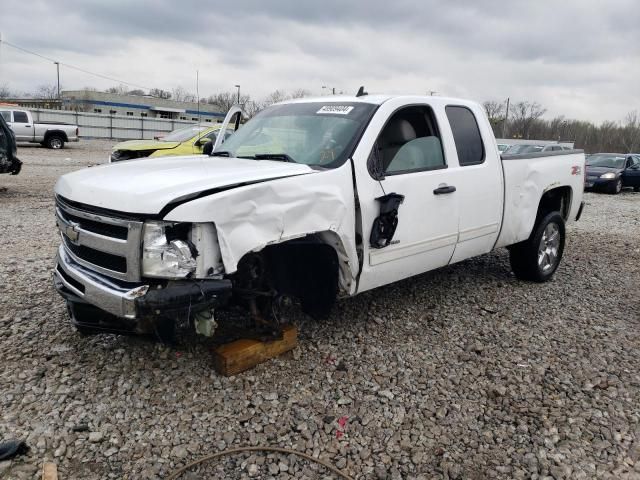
x,y
184,141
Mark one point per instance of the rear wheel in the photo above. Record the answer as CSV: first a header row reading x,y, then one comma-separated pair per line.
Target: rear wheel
x,y
55,142
616,187
537,258
636,189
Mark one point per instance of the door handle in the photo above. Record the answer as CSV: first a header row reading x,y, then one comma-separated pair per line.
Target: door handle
x,y
444,189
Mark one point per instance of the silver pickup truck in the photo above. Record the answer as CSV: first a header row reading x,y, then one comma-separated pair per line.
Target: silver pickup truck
x,y
49,134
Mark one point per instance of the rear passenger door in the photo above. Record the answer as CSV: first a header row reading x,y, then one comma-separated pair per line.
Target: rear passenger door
x,y
479,182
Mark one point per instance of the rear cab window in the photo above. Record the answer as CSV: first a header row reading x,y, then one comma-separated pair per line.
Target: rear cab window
x,y
6,115
466,135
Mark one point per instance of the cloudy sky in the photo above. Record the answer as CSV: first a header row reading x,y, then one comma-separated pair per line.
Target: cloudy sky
x,y
580,58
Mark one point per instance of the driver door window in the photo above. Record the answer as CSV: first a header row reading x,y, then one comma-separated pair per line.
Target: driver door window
x,y
410,142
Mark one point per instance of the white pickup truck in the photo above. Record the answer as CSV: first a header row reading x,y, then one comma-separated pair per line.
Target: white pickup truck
x,y
310,199
50,134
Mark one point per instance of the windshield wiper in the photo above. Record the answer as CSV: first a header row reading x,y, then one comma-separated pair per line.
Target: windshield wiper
x,y
283,157
220,153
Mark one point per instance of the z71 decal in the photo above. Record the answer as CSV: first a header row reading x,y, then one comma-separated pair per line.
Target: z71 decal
x,y
576,170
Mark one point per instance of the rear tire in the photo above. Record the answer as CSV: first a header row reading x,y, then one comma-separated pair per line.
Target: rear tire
x,y
616,188
55,142
537,258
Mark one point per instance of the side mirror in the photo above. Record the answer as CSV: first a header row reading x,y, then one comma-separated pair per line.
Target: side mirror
x,y
374,163
208,148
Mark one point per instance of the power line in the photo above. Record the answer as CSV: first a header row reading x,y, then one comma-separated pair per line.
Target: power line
x,y
73,67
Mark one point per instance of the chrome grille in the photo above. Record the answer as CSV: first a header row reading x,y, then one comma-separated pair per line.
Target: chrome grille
x,y
105,243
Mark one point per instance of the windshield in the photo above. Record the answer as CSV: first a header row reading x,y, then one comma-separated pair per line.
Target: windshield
x,y
610,161
520,149
183,134
318,134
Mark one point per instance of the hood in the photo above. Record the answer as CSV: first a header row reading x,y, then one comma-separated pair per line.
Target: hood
x,y
600,170
146,186
136,145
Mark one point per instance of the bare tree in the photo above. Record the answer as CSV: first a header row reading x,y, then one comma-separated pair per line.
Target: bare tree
x,y
630,132
275,97
300,93
226,100
523,117
5,92
159,93
47,92
495,111
119,90
527,122
180,94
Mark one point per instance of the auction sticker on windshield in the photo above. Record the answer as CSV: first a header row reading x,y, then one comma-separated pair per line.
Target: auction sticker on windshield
x,y
336,109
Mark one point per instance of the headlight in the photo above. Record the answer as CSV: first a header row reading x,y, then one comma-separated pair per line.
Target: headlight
x,y
608,176
165,251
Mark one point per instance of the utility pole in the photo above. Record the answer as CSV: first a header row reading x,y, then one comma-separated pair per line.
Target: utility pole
x,y
198,92
506,117
238,87
58,75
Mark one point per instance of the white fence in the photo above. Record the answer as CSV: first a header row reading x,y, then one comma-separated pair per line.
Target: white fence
x,y
119,127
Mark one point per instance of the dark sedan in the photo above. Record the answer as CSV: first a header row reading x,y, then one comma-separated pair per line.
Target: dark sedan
x,y
612,172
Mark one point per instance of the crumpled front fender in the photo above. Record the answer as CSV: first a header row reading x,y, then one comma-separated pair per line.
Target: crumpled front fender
x,y
248,218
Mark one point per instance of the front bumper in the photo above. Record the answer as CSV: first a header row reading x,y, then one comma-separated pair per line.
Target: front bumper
x,y
134,301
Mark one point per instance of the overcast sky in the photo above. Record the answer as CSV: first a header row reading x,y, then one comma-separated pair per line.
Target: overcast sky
x,y
580,58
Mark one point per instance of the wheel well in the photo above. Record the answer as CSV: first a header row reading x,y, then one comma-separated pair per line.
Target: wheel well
x,y
555,200
56,133
305,268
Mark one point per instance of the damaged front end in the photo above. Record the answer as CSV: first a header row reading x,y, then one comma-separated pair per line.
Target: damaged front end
x,y
125,275
100,304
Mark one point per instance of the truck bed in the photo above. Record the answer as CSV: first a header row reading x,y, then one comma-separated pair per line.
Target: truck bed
x,y
525,179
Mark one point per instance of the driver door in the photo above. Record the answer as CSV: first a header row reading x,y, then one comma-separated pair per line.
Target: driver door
x,y
631,174
235,111
21,126
411,162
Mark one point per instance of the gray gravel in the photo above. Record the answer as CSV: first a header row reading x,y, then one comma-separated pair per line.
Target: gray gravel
x,y
460,373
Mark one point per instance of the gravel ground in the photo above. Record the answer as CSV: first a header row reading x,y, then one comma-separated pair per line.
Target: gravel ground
x,y
460,373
